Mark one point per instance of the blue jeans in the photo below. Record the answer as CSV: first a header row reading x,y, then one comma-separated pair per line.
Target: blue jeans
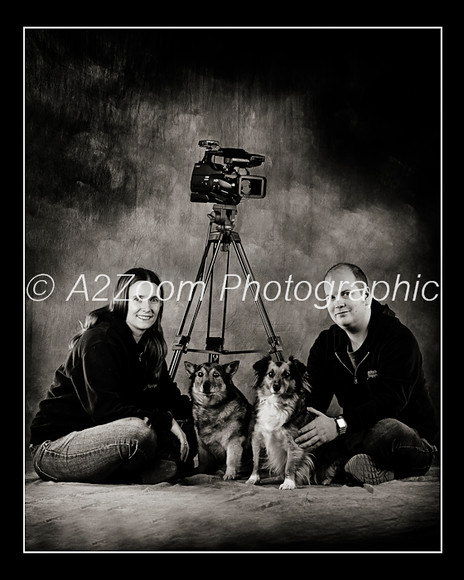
x,y
391,444
114,452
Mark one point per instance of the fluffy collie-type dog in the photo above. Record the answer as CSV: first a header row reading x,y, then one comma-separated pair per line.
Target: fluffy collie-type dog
x,y
221,415
280,410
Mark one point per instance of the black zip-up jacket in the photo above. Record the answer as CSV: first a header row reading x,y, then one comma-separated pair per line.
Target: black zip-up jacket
x,y
388,381
102,380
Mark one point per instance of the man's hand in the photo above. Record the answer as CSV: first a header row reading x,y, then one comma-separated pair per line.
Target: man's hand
x,y
320,430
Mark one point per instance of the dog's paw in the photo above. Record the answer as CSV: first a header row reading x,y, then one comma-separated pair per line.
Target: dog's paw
x,y
288,484
253,479
230,474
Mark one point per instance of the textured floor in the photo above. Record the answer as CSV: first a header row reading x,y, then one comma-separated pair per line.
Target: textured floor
x,y
206,514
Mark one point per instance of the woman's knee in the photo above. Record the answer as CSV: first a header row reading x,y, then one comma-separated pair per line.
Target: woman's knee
x,y
143,431
140,436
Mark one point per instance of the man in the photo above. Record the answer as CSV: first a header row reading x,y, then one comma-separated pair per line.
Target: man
x,y
372,363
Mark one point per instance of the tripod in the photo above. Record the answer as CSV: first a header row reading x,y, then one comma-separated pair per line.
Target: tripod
x,y
222,237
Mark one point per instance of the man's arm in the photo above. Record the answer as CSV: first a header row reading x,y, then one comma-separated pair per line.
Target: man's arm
x,y
323,428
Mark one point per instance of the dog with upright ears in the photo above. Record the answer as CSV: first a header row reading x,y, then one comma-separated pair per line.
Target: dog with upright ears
x,y
280,410
221,415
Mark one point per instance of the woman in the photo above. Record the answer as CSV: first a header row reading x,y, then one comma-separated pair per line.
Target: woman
x,y
111,413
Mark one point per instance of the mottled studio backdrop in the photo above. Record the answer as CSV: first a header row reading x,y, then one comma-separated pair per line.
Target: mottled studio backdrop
x,y
349,124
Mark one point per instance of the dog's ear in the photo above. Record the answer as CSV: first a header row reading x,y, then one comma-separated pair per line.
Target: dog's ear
x,y
301,370
190,368
262,364
231,368
298,365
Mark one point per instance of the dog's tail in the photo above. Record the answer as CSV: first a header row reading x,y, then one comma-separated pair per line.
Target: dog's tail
x,y
306,470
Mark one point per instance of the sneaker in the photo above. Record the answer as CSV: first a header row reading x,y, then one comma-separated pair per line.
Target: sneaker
x,y
161,470
363,470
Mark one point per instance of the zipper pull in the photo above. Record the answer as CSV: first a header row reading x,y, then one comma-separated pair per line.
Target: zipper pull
x,y
355,380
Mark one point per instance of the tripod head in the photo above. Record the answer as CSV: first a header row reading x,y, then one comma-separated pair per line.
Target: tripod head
x,y
224,217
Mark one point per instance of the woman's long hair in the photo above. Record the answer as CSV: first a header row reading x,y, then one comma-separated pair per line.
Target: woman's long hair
x,y
155,347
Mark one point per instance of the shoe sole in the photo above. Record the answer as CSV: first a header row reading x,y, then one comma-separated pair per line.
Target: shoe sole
x,y
364,470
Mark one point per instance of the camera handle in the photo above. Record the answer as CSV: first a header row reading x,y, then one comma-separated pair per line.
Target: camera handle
x,y
223,237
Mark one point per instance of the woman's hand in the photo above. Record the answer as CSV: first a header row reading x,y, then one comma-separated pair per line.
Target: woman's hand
x,y
320,430
184,446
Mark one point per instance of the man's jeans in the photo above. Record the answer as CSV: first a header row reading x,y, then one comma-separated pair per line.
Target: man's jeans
x,y
112,451
391,444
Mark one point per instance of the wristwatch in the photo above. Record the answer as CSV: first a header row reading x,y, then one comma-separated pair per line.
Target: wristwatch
x,y
341,424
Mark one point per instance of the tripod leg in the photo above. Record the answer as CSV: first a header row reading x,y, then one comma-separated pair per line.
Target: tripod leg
x,y
181,347
200,275
274,341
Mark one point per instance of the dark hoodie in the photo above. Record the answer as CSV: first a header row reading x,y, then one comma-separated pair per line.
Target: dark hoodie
x,y
102,380
388,381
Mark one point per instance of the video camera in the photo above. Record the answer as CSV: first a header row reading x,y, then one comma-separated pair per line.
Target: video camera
x,y
222,175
